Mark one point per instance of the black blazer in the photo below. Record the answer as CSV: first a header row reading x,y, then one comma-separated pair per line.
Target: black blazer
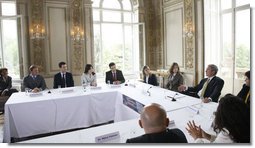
x,y
213,89
29,82
58,80
119,75
5,84
243,93
152,80
168,136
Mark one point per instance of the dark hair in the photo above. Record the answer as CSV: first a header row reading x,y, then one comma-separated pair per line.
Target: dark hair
x,y
87,68
32,67
111,64
60,64
145,67
3,69
234,115
247,74
172,68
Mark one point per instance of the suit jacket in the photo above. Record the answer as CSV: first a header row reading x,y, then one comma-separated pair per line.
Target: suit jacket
x,y
119,75
175,82
168,136
68,80
152,80
213,89
5,84
30,83
243,94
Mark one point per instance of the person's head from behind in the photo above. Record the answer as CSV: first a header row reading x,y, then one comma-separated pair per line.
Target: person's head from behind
x,y
247,78
34,70
89,69
233,114
153,118
211,70
146,70
4,72
112,66
62,66
174,68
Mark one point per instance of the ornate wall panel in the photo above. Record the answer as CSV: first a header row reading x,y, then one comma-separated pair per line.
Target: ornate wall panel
x,y
76,9
37,46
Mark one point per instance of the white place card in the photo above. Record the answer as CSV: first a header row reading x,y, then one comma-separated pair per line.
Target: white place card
x,y
35,94
171,124
108,137
64,91
95,87
192,109
115,86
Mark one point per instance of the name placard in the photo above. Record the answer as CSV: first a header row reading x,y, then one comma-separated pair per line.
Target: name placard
x,y
107,137
35,94
95,87
192,109
115,86
64,91
171,124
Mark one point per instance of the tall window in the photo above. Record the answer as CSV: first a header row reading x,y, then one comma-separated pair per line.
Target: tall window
x,y
9,51
115,36
227,40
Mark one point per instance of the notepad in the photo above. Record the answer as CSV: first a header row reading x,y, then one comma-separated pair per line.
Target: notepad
x,y
64,91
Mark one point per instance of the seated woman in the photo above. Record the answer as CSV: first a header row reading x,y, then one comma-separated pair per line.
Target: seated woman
x,y
245,91
231,123
175,79
6,83
148,77
89,76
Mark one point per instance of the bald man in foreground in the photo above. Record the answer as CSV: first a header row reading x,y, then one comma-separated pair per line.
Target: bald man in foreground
x,y
155,122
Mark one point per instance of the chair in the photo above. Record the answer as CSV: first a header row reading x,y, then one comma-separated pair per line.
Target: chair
x,y
3,100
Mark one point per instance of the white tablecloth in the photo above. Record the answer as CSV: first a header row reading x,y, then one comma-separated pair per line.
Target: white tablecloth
x,y
27,116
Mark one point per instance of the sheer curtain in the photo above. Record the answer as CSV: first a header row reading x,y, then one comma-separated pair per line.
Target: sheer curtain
x,y
227,40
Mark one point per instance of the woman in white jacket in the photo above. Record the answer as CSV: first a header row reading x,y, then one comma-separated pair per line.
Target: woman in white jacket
x,y
231,123
89,76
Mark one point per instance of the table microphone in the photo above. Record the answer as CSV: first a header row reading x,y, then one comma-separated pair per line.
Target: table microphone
x,y
173,99
49,92
148,91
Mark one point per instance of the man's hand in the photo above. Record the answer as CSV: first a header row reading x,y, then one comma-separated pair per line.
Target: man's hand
x,y
206,100
35,90
181,88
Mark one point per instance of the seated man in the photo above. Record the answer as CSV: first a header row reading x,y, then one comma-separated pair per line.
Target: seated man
x,y
114,76
6,83
209,89
34,82
63,78
154,120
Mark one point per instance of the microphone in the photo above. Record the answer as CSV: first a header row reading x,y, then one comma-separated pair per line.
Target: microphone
x,y
149,93
173,99
49,92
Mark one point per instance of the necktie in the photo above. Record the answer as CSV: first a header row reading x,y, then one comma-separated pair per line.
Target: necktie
x,y
63,81
204,88
247,96
114,76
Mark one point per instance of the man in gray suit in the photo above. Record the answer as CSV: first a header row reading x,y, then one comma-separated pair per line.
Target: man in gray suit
x,y
34,82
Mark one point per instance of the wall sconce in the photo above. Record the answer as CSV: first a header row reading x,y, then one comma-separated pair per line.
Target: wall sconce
x,y
77,34
189,29
37,32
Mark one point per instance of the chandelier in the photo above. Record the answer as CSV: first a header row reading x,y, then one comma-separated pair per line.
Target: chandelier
x,y
37,32
77,34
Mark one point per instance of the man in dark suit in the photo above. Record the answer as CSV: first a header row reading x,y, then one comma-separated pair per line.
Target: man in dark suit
x,y
209,89
114,76
34,82
6,83
63,78
154,121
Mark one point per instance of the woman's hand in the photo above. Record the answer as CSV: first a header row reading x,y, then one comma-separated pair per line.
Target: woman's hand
x,y
194,130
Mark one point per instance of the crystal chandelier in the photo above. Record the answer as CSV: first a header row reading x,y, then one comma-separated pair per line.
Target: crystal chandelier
x,y
77,34
37,32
